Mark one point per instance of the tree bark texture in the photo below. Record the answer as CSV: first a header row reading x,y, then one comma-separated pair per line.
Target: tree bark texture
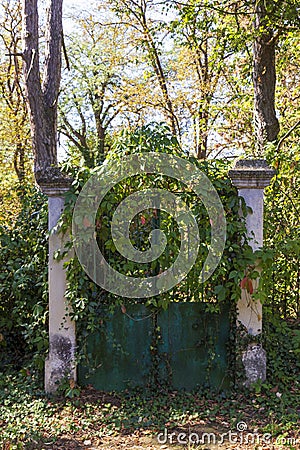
x,y
264,79
42,96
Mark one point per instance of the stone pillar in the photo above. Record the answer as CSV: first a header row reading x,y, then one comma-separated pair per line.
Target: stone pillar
x,y
61,359
251,177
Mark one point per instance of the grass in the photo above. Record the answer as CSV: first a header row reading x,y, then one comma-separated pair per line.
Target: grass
x,y
29,419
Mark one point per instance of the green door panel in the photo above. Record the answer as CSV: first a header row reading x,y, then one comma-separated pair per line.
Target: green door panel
x,y
121,351
192,349
193,344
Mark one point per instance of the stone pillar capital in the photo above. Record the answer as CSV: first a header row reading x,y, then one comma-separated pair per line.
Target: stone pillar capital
x,y
54,183
251,174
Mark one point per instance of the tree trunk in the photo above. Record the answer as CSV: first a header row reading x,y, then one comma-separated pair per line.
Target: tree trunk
x,y
42,98
100,141
157,67
264,80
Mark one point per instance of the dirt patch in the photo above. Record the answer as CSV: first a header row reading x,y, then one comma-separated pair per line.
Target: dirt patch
x,y
200,437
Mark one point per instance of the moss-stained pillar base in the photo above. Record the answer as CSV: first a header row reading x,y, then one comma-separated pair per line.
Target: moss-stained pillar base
x,y
60,362
251,177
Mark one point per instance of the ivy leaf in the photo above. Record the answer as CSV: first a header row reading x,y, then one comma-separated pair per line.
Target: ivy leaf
x,y
247,284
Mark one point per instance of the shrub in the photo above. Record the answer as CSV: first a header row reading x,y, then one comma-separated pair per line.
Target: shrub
x,y
23,282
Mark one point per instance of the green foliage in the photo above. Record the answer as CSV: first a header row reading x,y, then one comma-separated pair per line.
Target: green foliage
x,y
282,233
154,137
223,286
282,344
92,90
109,417
23,282
15,149
281,14
186,62
68,388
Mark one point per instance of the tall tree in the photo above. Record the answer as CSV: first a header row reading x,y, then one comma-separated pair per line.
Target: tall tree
x,y
137,15
42,95
95,91
14,135
207,31
15,144
205,52
264,77
274,21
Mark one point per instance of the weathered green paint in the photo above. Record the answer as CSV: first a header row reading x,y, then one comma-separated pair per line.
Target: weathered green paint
x,y
194,345
121,351
191,350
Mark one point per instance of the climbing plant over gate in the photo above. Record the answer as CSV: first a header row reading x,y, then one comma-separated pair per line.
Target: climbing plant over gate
x,y
86,299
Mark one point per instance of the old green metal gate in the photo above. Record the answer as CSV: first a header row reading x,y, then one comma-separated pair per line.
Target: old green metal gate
x,y
182,347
